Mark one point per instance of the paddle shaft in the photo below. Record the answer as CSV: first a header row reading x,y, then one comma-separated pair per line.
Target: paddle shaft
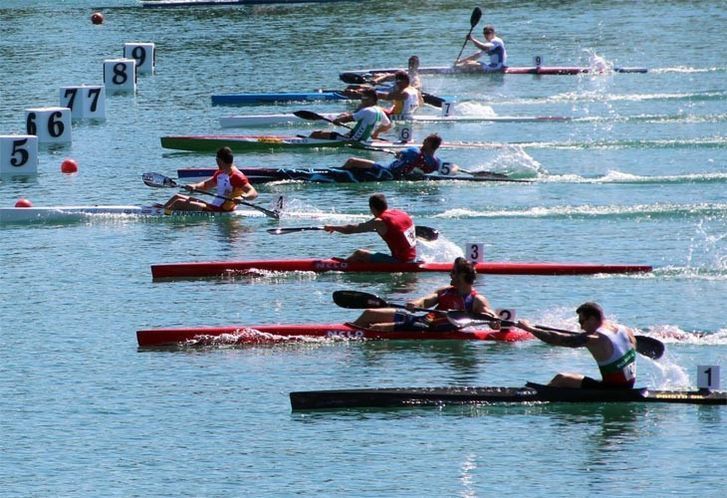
x,y
474,19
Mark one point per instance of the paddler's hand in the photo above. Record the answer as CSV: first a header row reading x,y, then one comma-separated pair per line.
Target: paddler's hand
x,y
189,188
525,325
411,306
330,228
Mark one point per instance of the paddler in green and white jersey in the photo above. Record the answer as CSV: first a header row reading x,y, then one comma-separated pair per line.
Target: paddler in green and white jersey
x,y
371,120
613,347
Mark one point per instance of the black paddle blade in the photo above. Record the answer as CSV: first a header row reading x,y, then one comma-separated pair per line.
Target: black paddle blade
x,y
358,300
309,115
650,347
158,180
462,319
426,233
286,230
352,78
475,17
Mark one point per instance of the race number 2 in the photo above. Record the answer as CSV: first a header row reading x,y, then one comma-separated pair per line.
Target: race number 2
x,y
19,154
474,251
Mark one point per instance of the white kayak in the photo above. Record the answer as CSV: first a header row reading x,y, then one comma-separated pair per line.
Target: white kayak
x,y
290,119
56,214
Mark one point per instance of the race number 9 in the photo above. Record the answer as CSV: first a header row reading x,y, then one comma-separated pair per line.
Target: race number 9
x,y
474,251
144,54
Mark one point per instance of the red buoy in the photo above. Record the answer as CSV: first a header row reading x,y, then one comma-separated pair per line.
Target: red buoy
x,y
97,18
23,203
69,166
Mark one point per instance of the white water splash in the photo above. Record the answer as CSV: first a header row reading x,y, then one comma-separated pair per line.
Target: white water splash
x,y
474,109
514,161
441,249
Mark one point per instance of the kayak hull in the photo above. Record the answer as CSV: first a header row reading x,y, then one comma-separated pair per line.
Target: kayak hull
x,y
54,214
238,334
333,175
231,268
536,70
532,393
289,119
261,143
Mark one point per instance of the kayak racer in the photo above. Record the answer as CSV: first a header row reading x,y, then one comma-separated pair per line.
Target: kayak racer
x,y
371,120
459,295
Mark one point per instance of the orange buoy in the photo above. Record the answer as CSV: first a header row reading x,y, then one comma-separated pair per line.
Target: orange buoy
x,y
97,18
69,166
23,203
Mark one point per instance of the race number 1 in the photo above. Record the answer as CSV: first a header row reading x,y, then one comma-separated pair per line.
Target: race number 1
x,y
119,75
144,54
474,251
52,125
708,377
85,102
18,154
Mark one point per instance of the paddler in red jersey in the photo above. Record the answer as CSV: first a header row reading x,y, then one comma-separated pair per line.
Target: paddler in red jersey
x,y
394,226
459,295
613,347
228,180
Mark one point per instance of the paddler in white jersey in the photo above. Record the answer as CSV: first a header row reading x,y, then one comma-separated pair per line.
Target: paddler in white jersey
x,y
228,181
493,46
412,71
405,97
369,117
613,347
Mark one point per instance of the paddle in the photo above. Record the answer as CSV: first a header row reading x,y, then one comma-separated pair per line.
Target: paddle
x,y
361,300
647,346
312,116
159,180
357,79
425,233
474,19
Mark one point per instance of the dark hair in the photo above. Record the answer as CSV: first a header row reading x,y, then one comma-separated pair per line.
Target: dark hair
x,y
435,139
224,154
466,268
591,309
489,29
370,93
402,76
378,202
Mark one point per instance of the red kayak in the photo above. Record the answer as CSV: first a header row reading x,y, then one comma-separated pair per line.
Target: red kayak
x,y
224,268
240,334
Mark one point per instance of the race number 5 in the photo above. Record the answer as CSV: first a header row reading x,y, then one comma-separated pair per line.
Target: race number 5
x,y
708,377
19,154
474,251
445,169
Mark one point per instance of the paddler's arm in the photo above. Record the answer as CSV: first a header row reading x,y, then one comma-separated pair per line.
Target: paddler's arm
x,y
558,338
383,127
482,306
470,58
246,193
486,46
373,225
346,117
423,302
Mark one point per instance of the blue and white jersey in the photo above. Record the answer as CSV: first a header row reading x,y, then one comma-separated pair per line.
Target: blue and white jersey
x,y
498,54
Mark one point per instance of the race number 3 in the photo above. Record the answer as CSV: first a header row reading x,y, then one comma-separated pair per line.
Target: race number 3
x,y
52,125
144,54
474,251
85,101
19,154
708,377
119,75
